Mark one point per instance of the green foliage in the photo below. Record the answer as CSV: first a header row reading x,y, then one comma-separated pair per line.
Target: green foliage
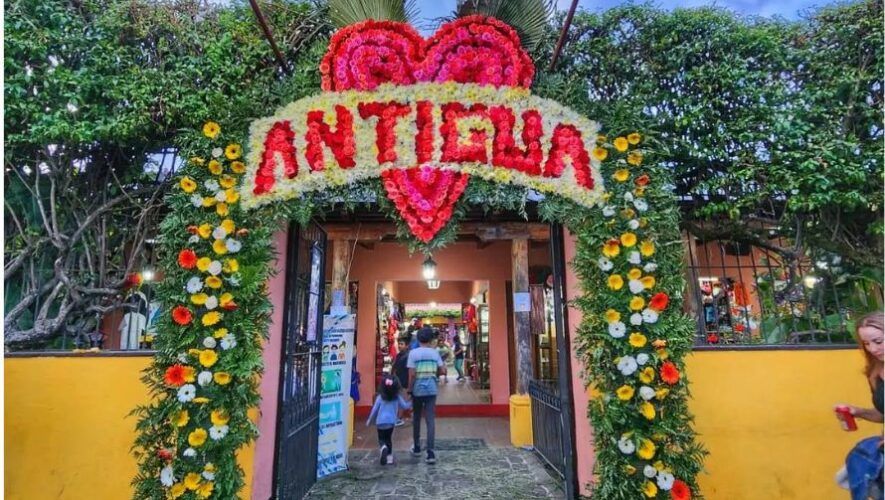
x,y
345,12
530,18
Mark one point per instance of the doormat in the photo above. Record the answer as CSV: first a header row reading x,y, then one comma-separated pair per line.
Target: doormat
x,y
457,444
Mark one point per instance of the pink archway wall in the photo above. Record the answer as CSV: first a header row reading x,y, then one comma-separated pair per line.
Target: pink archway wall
x,y
458,262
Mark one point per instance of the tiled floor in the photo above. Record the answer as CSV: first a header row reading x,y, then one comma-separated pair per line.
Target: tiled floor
x,y
464,392
495,431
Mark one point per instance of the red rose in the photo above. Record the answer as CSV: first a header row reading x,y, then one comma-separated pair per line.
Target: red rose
x,y
669,373
174,375
680,491
187,258
165,454
182,315
659,301
712,338
642,180
230,306
133,280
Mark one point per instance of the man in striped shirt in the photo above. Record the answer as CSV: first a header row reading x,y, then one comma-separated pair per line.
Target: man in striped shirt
x,y
424,366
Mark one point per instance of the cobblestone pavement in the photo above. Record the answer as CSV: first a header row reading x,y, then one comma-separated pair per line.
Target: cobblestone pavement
x,y
472,474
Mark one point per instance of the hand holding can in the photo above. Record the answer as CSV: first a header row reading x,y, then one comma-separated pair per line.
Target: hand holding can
x,y
846,418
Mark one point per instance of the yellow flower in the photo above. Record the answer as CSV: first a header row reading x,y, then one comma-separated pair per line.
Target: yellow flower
x,y
205,230
662,393
638,340
211,318
205,490
647,375
196,160
188,185
611,316
634,273
643,222
215,167
233,151
625,392
615,282
219,417
189,373
238,167
225,299
639,192
181,418
222,209
231,195
621,144
193,352
649,489
621,175
628,239
209,201
600,154
634,158
228,225
211,130
213,282
634,138
628,213
629,469
230,266
177,490
196,439
647,248
221,332
601,138
201,400
648,282
646,449
637,303
203,263
199,299
611,249
210,467
219,247
659,465
227,182
208,357
221,378
647,410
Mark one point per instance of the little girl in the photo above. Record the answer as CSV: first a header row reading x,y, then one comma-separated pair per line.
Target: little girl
x,y
385,413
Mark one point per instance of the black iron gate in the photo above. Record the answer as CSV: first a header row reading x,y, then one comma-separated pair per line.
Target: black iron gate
x,y
552,408
295,459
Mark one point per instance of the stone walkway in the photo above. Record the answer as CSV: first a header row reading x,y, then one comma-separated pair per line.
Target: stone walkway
x,y
464,474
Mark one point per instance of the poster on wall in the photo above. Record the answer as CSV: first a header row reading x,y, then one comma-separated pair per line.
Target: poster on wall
x,y
335,390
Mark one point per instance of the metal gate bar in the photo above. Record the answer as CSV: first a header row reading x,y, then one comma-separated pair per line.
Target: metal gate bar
x,y
547,423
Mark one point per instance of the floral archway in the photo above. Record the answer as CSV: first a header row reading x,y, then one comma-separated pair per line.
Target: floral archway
x,y
424,128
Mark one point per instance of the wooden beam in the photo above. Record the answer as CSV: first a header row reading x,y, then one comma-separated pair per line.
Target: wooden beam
x,y
341,253
484,231
521,319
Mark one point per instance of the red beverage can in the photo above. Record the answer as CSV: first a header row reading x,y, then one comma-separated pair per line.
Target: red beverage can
x,y
847,419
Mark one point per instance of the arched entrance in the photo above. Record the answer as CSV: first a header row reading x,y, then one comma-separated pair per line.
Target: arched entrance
x,y
424,130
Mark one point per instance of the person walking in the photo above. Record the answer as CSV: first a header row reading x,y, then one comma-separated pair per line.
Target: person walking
x,y
425,366
400,370
458,349
385,413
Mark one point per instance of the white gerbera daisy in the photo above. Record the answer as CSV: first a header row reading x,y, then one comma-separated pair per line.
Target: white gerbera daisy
x,y
182,358
216,152
211,185
189,453
167,477
649,316
627,365
649,471
228,342
635,286
194,239
194,285
208,476
604,264
233,246
617,329
635,319
204,378
646,393
211,302
634,257
633,224
642,358
665,480
234,280
217,432
640,205
650,267
214,268
220,196
187,393
628,196
626,446
209,343
219,233
197,200
608,211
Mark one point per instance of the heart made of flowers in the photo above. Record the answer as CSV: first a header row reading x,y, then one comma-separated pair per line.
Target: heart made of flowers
x,y
473,49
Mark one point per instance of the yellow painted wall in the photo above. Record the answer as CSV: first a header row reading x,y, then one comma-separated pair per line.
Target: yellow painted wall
x,y
766,418
67,434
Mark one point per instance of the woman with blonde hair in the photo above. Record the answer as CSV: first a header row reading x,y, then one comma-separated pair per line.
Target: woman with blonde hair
x,y
862,473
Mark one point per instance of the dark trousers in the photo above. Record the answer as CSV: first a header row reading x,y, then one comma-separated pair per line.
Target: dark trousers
x,y
385,438
424,405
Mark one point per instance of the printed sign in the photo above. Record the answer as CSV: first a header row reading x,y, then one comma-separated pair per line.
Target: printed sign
x,y
522,302
335,391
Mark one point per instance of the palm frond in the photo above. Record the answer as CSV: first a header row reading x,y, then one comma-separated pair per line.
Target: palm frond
x,y
530,18
345,12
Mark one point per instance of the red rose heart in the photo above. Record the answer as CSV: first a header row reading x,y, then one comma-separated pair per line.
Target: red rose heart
x,y
473,49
